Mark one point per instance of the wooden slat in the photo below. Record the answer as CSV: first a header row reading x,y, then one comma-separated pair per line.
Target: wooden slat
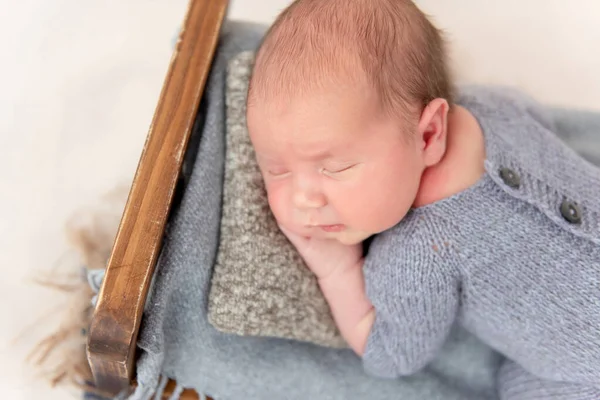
x,y
116,321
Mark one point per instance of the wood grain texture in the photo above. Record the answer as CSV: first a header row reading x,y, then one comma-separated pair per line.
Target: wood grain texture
x,y
116,321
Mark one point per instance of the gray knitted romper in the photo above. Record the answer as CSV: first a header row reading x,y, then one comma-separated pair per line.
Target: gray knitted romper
x,y
515,259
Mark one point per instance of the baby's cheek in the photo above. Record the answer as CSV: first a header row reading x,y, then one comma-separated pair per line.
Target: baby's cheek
x,y
277,202
374,205
356,204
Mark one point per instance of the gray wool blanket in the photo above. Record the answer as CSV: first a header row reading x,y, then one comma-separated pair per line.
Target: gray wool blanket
x,y
177,341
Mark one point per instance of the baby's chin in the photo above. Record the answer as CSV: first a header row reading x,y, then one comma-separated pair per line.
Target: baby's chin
x,y
348,237
354,238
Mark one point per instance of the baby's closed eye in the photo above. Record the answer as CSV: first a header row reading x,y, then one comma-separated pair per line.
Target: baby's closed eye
x,y
337,170
277,172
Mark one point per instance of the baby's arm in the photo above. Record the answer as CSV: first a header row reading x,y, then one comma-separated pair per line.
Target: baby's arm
x,y
338,268
344,290
415,293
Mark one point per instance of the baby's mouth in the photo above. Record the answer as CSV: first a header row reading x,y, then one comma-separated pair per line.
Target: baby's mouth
x,y
332,228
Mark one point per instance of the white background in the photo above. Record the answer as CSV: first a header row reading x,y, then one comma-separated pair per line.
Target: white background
x,y
79,82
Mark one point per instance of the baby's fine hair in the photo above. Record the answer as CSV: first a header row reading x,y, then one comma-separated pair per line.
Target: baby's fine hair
x,y
390,43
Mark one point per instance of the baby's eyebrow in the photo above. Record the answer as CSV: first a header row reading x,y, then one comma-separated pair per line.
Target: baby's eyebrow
x,y
321,155
341,160
266,158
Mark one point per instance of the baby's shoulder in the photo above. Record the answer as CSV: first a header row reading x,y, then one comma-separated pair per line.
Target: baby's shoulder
x,y
420,239
505,100
406,256
530,163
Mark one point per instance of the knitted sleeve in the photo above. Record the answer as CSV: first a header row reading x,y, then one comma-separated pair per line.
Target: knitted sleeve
x,y
415,293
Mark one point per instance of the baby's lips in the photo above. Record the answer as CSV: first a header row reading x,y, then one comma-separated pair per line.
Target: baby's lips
x,y
333,228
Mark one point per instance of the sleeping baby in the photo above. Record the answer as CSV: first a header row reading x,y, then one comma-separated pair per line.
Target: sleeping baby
x,y
478,214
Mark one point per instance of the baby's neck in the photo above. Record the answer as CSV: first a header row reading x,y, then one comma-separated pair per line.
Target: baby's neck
x,y
462,165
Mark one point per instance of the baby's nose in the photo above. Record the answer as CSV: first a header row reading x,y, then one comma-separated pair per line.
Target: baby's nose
x,y
309,199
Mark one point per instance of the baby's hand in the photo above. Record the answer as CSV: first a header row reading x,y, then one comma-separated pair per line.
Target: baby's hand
x,y
339,270
325,256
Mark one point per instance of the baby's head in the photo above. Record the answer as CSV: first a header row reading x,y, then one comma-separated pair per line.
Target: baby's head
x,y
347,108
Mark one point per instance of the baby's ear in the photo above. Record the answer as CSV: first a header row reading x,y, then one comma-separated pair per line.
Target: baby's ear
x,y
433,126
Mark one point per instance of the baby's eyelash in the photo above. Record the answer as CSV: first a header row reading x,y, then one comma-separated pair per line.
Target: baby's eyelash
x,y
342,169
277,173
337,171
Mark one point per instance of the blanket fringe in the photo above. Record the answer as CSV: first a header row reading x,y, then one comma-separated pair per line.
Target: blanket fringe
x,y
61,356
143,392
177,392
160,390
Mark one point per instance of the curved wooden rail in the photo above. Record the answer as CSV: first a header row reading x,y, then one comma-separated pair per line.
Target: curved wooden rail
x,y
116,321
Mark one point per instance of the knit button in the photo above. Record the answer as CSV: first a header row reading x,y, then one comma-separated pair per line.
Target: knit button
x,y
510,177
571,212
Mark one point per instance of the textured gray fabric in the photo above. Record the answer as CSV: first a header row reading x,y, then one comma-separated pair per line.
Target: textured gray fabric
x,y
260,285
515,383
176,339
500,258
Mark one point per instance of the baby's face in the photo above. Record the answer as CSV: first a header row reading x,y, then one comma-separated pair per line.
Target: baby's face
x,y
334,165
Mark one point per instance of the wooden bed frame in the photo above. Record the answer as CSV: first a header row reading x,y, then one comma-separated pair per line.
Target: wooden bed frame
x,y
111,347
